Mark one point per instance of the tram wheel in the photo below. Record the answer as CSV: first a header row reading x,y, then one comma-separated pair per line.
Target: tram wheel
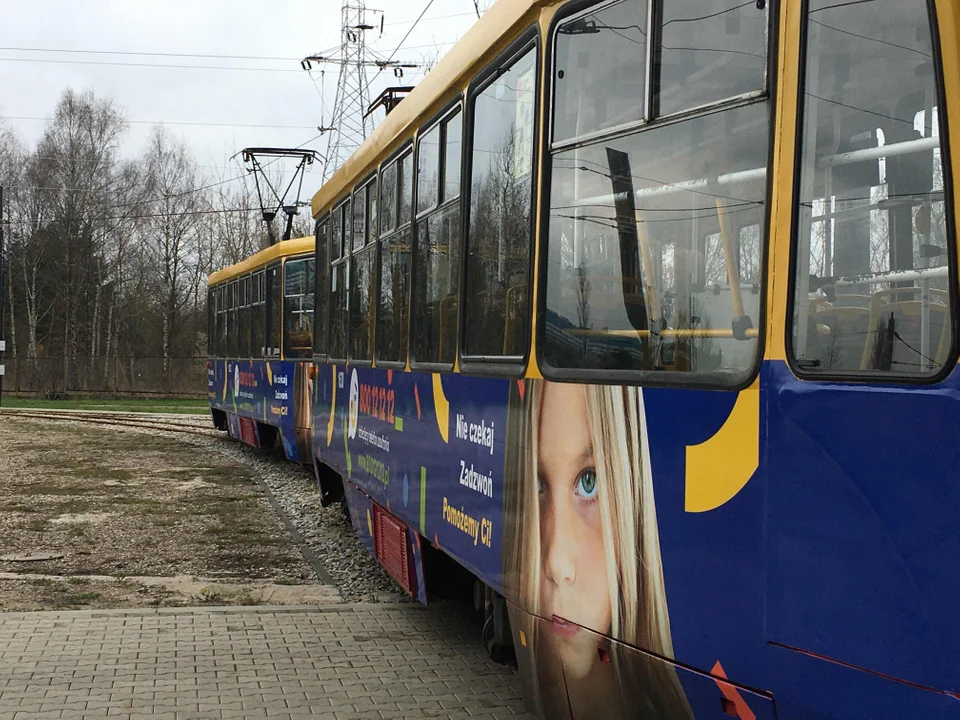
x,y
499,653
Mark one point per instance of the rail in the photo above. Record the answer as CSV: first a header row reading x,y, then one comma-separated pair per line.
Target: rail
x,y
183,424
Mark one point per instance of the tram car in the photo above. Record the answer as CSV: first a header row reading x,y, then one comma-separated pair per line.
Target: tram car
x,y
260,345
644,313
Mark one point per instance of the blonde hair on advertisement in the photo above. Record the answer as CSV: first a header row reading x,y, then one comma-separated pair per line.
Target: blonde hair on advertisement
x,y
631,541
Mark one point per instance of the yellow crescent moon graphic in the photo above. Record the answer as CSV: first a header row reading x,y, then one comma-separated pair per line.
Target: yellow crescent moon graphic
x,y
719,468
442,408
333,406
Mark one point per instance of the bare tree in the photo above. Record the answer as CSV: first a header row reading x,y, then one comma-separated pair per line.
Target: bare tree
x,y
172,231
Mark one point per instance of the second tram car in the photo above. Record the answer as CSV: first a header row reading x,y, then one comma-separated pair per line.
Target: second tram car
x,y
260,347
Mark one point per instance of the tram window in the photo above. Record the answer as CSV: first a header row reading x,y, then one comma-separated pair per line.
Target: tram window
x,y
872,293
321,297
624,267
259,323
222,321
371,199
243,317
233,335
600,71
359,219
339,307
393,312
274,311
498,241
406,190
452,152
388,199
428,170
211,323
348,226
363,267
298,291
336,234
710,50
436,285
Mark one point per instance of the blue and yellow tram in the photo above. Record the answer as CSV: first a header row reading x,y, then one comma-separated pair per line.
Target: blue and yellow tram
x,y
645,312
260,344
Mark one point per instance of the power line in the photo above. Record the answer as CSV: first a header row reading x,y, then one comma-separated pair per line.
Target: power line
x,y
192,191
80,161
438,17
229,180
190,123
412,27
148,216
149,54
147,65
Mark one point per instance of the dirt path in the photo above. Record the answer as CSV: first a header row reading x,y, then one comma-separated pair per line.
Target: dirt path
x,y
97,517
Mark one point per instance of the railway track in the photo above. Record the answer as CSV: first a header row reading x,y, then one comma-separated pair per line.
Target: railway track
x,y
198,425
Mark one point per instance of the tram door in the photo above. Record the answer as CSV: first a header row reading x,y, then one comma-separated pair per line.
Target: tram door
x,y
863,421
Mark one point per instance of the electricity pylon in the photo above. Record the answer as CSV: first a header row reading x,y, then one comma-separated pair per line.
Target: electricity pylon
x,y
350,122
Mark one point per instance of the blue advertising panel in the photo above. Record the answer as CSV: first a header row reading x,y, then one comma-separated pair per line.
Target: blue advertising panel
x,y
273,392
429,448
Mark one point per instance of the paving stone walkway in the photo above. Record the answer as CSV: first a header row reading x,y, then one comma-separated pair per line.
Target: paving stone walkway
x,y
339,662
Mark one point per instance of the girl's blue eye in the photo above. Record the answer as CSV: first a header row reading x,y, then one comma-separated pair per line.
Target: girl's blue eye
x,y
540,487
587,484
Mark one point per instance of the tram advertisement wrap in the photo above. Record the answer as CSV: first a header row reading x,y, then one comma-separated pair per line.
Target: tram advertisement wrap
x,y
273,392
429,448
579,504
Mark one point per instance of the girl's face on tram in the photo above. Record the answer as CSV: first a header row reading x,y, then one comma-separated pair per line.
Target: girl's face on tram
x,y
573,572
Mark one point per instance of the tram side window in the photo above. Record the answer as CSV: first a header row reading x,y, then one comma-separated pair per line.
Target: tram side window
x,y
258,324
339,281
601,69
233,332
359,220
321,296
363,269
711,50
437,259
393,307
428,170
656,237
222,321
274,311
501,202
388,199
243,334
298,295
405,211
872,291
211,323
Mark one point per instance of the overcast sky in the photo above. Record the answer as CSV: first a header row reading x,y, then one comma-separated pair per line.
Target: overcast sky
x,y
275,92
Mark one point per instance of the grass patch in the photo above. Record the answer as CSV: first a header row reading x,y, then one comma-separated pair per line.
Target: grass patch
x,y
17,506
81,468
79,599
159,405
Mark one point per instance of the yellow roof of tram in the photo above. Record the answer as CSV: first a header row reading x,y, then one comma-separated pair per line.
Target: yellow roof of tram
x,y
488,36
286,248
